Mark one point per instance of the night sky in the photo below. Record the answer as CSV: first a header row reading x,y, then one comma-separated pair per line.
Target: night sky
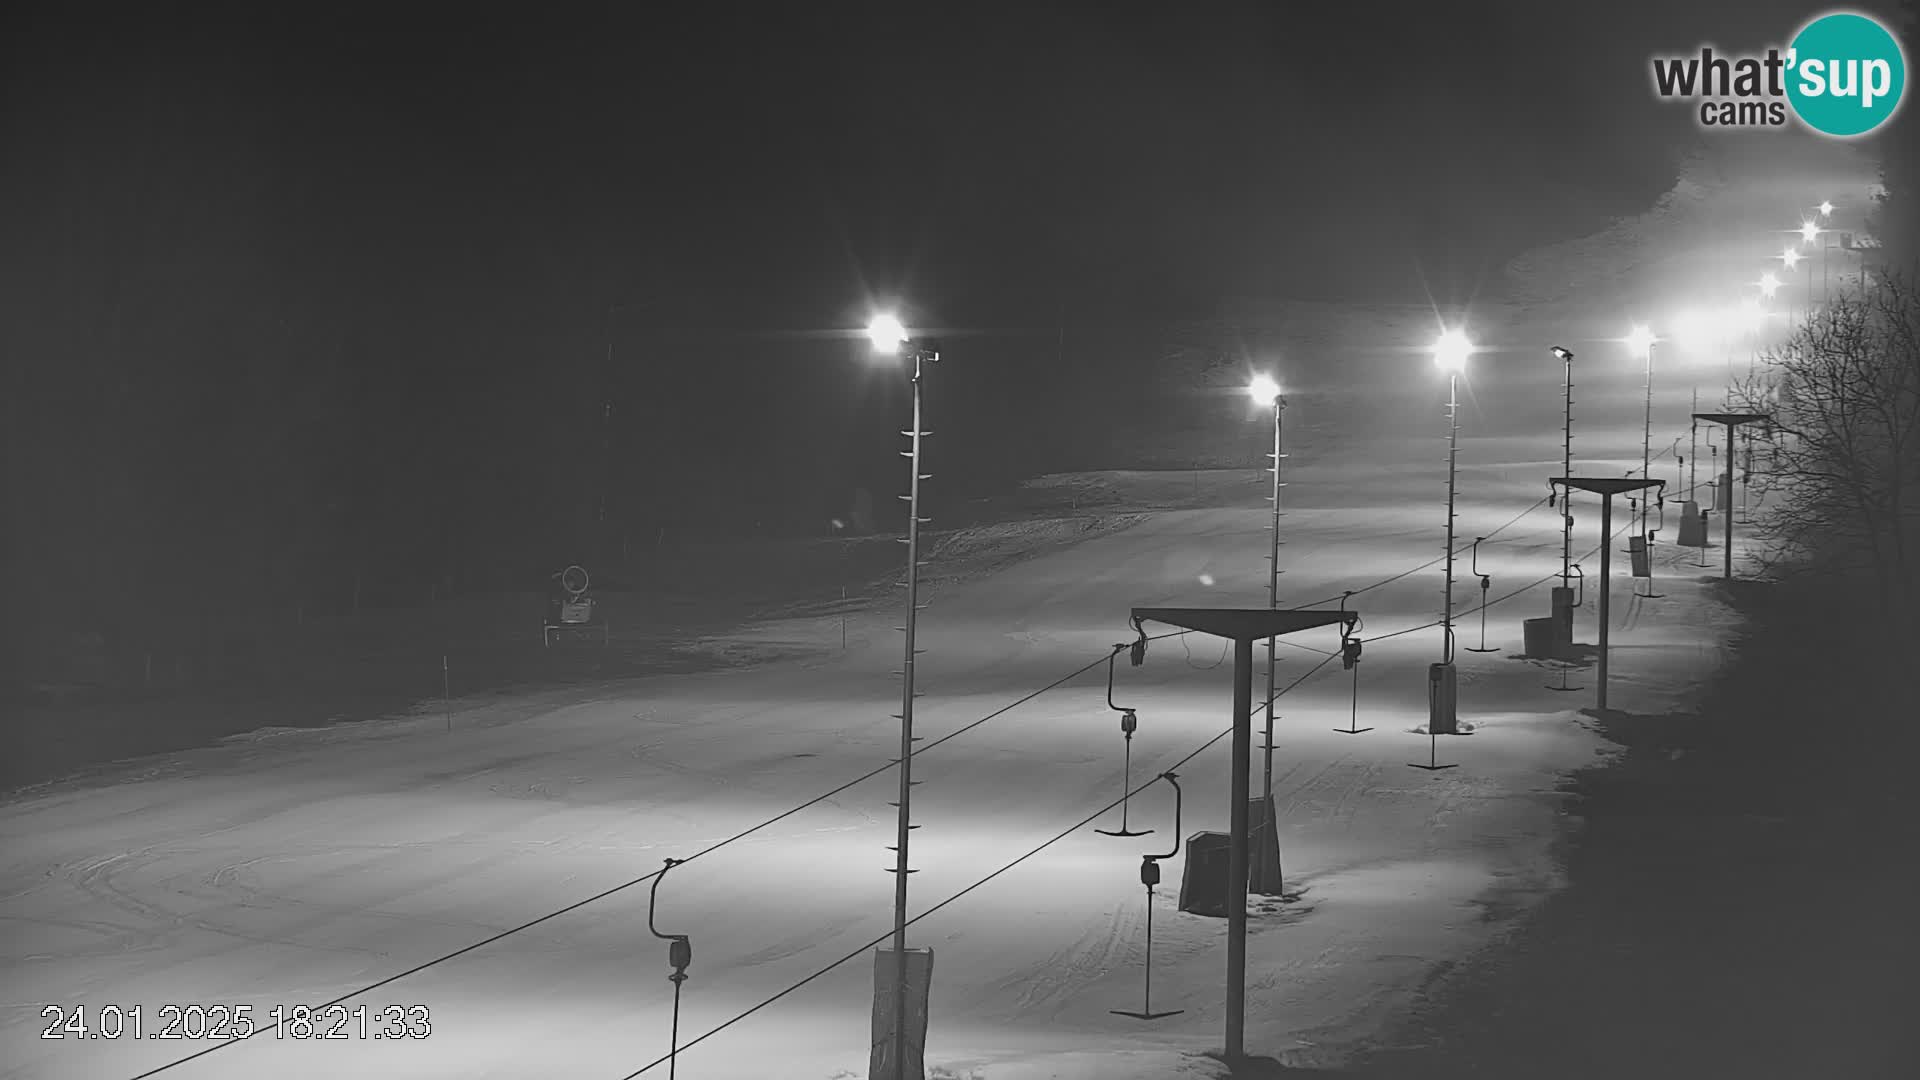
x,y
290,290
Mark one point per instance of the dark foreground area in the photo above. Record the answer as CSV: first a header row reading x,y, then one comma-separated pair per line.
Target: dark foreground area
x,y
1742,891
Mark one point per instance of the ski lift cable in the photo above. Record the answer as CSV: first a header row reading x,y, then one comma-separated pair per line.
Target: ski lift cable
x,y
1075,827
1538,503
1042,846
623,886
603,894
1503,597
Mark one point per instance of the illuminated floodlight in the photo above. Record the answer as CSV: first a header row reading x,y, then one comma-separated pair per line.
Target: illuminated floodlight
x,y
1826,209
1769,284
1640,340
887,334
1264,391
1790,257
1809,232
1450,351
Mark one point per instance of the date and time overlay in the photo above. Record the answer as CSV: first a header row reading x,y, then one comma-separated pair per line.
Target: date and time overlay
x,y
209,1023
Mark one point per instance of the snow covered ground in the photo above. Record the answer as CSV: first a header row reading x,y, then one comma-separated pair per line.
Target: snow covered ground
x,y
295,867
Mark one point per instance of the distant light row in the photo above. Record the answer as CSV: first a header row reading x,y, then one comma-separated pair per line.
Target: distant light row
x,y
1452,348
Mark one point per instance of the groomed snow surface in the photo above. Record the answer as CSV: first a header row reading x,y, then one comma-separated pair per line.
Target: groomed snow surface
x,y
294,867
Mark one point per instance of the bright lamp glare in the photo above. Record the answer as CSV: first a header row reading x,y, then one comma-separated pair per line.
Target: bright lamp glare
x,y
1690,329
1451,350
1809,232
1640,340
1790,257
1826,209
887,334
1263,390
1769,285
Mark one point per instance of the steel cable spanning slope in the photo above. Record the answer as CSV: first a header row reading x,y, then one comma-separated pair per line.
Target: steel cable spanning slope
x,y
1042,846
1505,596
711,848
643,879
1511,522
1090,818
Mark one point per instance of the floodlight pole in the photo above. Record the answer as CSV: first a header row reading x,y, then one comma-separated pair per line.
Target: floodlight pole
x,y
1453,456
1273,597
1646,458
1566,468
903,826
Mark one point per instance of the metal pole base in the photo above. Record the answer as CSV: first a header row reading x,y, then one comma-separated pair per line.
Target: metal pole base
x,y
1433,743
1351,731
1146,1015
1123,832
1565,689
1472,649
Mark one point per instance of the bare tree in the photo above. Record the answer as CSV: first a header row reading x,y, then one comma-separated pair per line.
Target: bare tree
x,y
1841,475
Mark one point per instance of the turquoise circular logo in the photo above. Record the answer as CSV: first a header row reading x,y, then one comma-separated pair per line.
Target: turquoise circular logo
x,y
1846,75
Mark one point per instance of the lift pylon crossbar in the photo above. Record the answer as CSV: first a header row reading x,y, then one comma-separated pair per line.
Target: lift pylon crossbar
x,y
1606,487
1243,626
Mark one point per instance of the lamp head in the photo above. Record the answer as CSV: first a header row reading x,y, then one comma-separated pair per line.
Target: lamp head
x,y
1641,340
1769,284
1826,208
887,334
1809,232
1450,351
1264,391
1564,354
1790,257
